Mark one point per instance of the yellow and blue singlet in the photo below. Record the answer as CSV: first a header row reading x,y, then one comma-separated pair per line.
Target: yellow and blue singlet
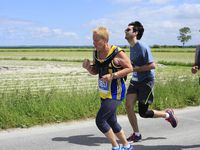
x,y
115,89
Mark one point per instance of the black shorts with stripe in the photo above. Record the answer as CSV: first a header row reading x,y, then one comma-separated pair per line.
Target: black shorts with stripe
x,y
143,89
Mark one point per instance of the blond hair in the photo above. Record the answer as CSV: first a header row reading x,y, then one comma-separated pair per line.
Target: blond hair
x,y
102,32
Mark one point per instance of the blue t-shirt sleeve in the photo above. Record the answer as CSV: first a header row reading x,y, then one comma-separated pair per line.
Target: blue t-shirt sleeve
x,y
148,56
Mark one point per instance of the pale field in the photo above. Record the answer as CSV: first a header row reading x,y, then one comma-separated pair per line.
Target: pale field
x,y
35,75
67,76
50,55
38,75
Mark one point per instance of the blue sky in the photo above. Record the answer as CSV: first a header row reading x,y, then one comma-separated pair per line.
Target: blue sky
x,y
70,22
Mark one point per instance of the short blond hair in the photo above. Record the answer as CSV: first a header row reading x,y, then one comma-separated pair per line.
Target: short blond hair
x,y
102,32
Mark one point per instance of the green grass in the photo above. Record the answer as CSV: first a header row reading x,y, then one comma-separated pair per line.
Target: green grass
x,y
182,56
174,57
46,56
83,49
27,108
180,50
176,94
24,109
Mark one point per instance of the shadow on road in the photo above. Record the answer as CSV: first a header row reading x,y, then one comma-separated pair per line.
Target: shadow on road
x,y
88,140
165,147
154,138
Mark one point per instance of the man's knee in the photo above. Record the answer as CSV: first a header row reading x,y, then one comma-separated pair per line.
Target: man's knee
x,y
146,114
129,106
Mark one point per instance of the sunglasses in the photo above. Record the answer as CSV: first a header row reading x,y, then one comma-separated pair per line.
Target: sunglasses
x,y
128,29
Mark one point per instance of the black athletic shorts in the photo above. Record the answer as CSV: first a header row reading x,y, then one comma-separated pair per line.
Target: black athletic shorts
x,y
143,89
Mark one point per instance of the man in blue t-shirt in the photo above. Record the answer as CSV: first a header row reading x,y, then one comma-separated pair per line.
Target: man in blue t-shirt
x,y
142,82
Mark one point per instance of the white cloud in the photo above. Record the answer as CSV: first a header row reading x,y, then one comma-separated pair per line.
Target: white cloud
x,y
8,21
44,32
25,31
61,33
188,11
161,24
160,2
169,24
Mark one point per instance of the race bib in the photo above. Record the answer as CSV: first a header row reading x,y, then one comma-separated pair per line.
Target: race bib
x,y
103,86
135,77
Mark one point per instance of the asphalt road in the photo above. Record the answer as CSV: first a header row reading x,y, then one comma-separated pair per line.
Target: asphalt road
x,y
157,135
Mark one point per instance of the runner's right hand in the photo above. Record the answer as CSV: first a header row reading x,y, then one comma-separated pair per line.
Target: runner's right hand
x,y
86,64
194,69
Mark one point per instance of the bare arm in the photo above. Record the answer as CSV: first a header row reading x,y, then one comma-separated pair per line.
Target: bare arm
x,y
121,59
146,67
195,67
90,68
196,56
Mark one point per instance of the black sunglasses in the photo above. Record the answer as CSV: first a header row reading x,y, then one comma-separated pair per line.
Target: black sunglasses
x,y
128,29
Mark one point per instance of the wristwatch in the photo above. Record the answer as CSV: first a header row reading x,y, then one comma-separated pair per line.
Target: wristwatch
x,y
114,75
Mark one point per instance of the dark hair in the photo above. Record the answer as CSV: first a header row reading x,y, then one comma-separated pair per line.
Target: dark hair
x,y
137,26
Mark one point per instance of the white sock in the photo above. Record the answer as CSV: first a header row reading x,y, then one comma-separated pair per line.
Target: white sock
x,y
167,115
137,133
116,147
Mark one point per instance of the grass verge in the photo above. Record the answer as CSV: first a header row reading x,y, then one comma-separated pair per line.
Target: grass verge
x,y
25,109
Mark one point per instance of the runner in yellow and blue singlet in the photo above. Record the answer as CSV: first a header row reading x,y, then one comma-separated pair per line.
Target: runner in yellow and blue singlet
x,y
112,66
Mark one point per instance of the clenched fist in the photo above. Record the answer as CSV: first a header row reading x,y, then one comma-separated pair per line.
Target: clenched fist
x,y
194,69
86,64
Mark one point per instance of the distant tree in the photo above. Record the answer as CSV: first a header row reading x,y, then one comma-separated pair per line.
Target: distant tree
x,y
184,35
